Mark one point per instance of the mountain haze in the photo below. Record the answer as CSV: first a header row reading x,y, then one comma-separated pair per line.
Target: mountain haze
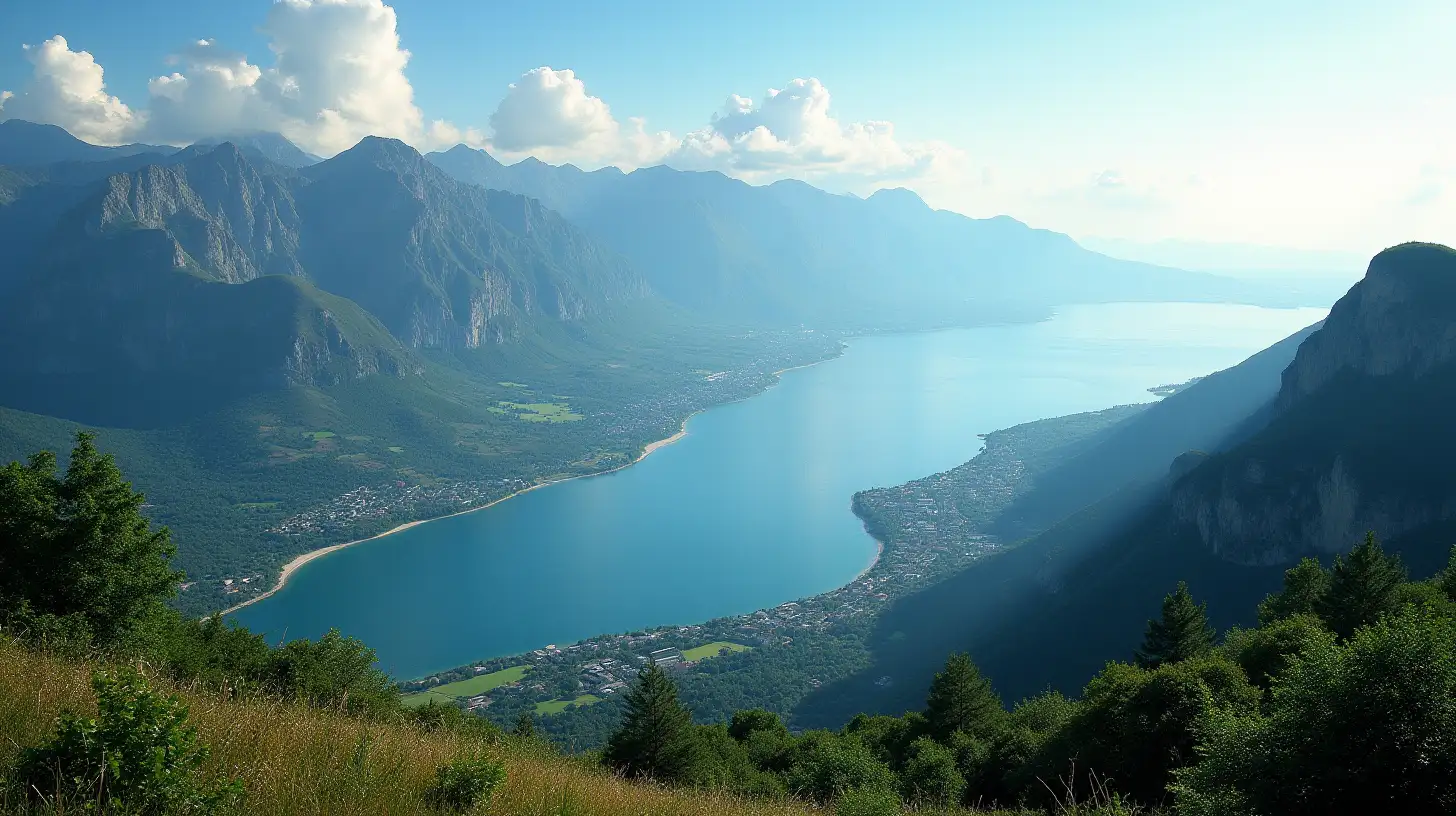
x,y
789,252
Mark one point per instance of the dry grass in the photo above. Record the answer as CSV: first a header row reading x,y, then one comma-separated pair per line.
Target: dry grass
x,y
296,760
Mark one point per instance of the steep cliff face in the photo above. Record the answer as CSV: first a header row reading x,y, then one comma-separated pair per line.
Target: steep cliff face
x,y
1359,440
446,264
1399,320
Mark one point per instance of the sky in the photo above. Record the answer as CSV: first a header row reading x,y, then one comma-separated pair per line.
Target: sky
x,y
1325,126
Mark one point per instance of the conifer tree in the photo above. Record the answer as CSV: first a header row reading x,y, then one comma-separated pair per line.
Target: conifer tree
x,y
1363,587
962,700
656,739
525,726
1181,633
78,546
1305,585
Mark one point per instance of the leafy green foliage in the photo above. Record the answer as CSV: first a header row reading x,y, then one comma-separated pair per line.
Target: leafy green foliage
x,y
139,755
862,802
465,784
930,776
334,672
1367,726
1181,634
826,766
1135,726
79,546
1264,653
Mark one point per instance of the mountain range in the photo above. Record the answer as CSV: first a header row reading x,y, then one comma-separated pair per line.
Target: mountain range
x,y
278,321
789,252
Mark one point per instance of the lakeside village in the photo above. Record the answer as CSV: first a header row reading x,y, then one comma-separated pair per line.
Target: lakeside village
x,y
928,531
362,511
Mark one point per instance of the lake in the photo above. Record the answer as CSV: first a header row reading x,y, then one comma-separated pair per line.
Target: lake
x,y
752,508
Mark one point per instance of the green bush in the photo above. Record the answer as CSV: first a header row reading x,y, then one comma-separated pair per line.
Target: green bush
x,y
868,803
465,784
138,756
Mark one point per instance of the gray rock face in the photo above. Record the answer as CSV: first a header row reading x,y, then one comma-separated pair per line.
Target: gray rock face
x,y
1389,323
1356,422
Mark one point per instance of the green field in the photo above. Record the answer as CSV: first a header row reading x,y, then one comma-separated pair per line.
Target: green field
x,y
708,650
470,687
541,411
319,436
558,706
395,449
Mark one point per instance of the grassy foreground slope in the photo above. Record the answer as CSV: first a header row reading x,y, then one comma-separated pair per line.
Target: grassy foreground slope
x,y
297,760
292,759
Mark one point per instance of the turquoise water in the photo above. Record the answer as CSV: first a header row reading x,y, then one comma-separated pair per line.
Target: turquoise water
x,y
752,508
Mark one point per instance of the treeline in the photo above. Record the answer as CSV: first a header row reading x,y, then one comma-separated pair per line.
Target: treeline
x,y
1343,699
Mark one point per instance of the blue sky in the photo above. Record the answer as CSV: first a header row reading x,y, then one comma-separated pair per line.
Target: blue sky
x,y
1323,125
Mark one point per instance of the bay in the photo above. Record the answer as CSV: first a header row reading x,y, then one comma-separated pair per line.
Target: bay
x,y
752,507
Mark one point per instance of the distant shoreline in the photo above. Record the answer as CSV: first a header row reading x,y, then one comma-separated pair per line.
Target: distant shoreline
x,y
652,447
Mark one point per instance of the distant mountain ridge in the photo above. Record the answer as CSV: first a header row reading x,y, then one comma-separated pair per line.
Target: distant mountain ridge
x,y
789,252
27,144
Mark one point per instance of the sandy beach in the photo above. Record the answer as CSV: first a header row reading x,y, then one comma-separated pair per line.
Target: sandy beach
x,y
652,447
293,566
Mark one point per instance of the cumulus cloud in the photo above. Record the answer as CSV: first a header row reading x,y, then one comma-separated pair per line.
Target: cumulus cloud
x,y
338,75
791,133
67,88
549,114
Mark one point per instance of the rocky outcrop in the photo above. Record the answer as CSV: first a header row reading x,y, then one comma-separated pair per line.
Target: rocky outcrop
x,y
1401,319
1357,436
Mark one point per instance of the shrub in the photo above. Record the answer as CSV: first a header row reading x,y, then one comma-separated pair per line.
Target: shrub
x,y
139,755
465,784
868,803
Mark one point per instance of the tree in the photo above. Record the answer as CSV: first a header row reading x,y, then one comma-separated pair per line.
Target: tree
x,y
1363,588
1182,633
1305,584
656,737
525,726
961,699
753,720
79,546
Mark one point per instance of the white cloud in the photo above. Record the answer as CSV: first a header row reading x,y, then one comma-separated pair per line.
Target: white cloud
x,y
67,88
549,114
338,74
792,133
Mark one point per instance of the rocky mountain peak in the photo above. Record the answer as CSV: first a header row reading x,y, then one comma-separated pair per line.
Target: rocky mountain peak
x,y
1400,319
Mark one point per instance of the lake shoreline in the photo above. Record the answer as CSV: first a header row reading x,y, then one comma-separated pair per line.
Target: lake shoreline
x,y
652,447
